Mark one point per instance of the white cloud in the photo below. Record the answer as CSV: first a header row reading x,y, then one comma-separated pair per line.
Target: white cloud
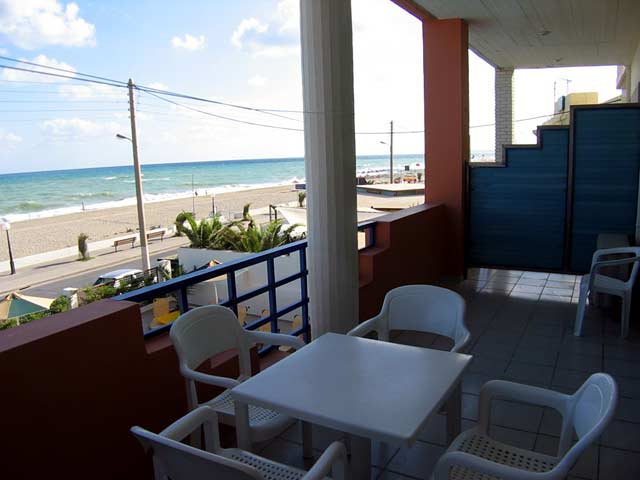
x,y
157,86
4,51
247,25
31,24
274,51
258,81
76,127
19,76
189,42
92,91
289,15
9,139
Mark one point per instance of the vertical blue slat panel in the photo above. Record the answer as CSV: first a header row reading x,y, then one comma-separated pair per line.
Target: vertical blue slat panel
x,y
606,162
517,212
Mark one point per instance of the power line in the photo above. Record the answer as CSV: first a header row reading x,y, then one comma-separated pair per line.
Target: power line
x,y
59,75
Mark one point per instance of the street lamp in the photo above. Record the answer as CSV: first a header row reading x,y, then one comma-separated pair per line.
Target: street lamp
x,y
6,226
146,264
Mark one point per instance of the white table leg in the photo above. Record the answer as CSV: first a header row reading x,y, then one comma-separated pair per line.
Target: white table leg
x,y
454,407
360,464
243,433
307,440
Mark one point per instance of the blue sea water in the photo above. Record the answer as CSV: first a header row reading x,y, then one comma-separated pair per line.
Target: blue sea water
x,y
39,194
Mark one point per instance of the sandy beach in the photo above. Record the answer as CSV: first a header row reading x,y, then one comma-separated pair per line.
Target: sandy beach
x,y
46,234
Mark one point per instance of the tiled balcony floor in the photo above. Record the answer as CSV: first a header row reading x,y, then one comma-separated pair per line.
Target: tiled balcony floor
x,y
521,324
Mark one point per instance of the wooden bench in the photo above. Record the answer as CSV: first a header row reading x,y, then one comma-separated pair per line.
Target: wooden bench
x,y
154,235
124,241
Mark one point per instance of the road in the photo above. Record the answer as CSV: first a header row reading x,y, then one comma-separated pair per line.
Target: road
x,y
55,288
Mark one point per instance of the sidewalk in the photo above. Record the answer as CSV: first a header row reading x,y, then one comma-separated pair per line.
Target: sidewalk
x,y
43,268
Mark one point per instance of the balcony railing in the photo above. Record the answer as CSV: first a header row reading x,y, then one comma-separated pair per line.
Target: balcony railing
x,y
181,285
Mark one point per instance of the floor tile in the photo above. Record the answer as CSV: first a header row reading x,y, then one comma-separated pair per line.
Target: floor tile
x,y
538,356
516,415
621,368
486,348
622,352
524,295
623,435
436,431
569,378
583,363
322,437
470,405
540,275
381,453
618,464
534,282
473,382
561,292
387,475
561,277
530,374
558,284
286,452
545,297
587,465
417,461
551,422
527,288
628,387
554,330
628,409
488,365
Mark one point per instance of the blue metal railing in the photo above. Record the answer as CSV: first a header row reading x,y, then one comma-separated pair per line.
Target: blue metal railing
x,y
369,229
181,285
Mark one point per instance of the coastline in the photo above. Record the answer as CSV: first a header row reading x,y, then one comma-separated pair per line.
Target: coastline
x,y
39,235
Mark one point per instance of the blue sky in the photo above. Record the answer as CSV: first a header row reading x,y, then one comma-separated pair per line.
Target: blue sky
x,y
244,52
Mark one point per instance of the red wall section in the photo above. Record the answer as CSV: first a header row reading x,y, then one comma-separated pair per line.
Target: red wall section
x,y
446,90
409,249
73,385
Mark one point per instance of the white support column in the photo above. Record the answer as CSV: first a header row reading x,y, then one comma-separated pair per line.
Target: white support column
x,y
504,109
327,79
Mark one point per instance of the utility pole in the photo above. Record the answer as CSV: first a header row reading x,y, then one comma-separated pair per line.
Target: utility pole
x,y
193,198
391,153
138,175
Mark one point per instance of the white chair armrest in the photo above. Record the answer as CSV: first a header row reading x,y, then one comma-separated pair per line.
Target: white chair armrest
x,y
519,392
216,381
267,338
184,426
483,466
366,327
334,456
613,251
621,261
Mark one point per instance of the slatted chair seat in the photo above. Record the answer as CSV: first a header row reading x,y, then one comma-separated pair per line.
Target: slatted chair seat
x,y
269,469
497,452
258,416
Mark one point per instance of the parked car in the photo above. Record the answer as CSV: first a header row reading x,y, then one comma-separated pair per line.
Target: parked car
x,y
116,277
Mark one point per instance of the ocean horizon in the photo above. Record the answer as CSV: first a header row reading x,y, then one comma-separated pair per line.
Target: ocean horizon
x,y
31,195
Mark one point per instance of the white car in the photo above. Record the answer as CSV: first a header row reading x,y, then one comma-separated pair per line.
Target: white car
x,y
114,278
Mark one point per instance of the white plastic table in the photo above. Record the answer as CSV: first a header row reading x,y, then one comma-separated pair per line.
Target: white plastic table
x,y
369,389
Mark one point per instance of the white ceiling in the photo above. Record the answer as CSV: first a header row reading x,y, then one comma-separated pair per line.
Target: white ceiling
x,y
547,33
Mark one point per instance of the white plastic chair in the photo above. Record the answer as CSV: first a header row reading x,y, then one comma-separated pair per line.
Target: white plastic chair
x,y
176,461
206,331
473,454
422,308
595,282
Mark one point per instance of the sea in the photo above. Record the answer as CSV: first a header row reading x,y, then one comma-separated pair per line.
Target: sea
x,y
26,196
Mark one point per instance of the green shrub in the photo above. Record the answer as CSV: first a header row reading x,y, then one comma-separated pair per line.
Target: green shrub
x,y
60,304
83,246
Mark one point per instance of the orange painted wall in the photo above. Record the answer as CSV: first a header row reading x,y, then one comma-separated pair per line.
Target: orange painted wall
x,y
446,99
446,87
409,249
72,386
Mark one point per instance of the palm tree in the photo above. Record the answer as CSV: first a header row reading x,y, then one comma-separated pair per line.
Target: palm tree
x,y
207,233
256,239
